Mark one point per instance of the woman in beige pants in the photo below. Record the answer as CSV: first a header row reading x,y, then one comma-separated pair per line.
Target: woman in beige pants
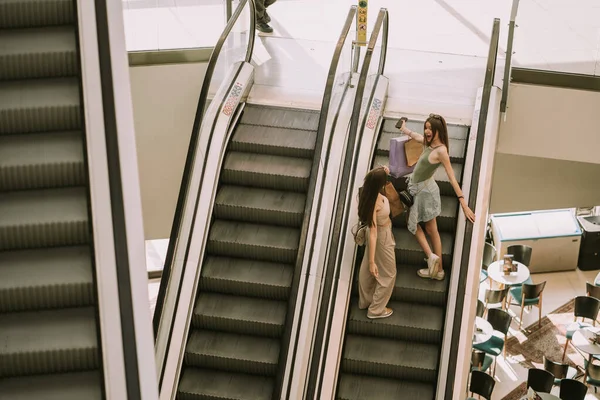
x,y
377,274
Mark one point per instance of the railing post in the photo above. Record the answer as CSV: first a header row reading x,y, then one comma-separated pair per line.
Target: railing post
x,y
228,10
509,51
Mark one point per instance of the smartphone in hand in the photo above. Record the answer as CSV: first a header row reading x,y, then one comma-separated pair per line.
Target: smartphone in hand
x,y
399,123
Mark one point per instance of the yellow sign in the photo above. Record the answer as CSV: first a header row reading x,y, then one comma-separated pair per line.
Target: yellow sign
x,y
361,22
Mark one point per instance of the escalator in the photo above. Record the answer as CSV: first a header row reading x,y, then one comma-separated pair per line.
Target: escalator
x,y
48,303
398,357
240,312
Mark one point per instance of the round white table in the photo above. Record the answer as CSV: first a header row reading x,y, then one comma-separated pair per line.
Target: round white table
x,y
581,340
483,331
495,273
544,396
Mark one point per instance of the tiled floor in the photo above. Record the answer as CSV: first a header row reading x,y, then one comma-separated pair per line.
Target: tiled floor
x,y
560,288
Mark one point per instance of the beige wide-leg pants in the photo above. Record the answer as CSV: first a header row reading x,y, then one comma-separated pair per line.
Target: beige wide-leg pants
x,y
375,293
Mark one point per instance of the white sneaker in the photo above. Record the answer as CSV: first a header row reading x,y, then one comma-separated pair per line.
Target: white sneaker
x,y
424,273
433,264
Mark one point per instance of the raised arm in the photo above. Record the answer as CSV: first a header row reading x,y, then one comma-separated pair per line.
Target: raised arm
x,y
413,135
445,160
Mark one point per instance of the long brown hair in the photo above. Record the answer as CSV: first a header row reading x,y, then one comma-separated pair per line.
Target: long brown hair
x,y
373,183
438,124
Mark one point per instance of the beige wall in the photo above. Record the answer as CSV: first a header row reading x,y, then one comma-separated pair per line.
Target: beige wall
x,y
164,104
522,183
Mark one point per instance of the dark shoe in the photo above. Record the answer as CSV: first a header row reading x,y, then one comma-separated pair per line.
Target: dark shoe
x,y
264,27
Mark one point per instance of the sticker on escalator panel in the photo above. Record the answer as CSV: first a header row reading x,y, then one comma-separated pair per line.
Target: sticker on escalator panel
x,y
233,98
374,114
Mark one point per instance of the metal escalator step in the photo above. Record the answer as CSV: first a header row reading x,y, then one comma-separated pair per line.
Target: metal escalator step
x,y
413,289
390,358
410,322
246,278
276,141
266,171
38,53
41,160
30,13
454,131
232,352
280,117
253,241
446,221
47,342
39,105
202,384
241,203
236,314
359,387
457,146
43,218
49,278
440,175
69,386
408,250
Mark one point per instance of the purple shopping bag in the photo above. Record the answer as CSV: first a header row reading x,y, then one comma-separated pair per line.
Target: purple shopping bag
x,y
398,164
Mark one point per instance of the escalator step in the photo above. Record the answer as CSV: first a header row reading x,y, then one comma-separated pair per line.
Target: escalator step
x,y
440,176
246,278
454,131
30,13
232,352
200,384
266,171
236,314
240,203
38,53
280,117
253,241
446,221
48,278
70,386
46,342
390,358
357,387
413,289
39,105
457,146
275,141
43,218
408,250
410,322
41,160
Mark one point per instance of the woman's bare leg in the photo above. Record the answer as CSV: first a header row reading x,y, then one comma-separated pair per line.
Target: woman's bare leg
x,y
436,240
420,235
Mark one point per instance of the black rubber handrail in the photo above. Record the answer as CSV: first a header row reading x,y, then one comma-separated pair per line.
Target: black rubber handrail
x,y
343,206
308,208
191,155
488,83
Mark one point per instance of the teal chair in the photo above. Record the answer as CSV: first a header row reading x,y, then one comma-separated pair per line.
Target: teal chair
x,y
500,321
480,361
482,385
560,371
585,307
593,375
527,295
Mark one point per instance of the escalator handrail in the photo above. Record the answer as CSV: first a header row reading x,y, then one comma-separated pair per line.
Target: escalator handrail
x,y
338,230
191,155
488,83
310,199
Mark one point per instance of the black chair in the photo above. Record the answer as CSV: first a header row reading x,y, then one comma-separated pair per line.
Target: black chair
x,y
489,256
480,308
560,371
528,295
592,290
500,321
571,389
521,253
593,375
540,380
494,296
482,384
480,361
585,307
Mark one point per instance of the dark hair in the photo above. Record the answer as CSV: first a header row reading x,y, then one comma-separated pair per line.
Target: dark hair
x,y
438,124
374,181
